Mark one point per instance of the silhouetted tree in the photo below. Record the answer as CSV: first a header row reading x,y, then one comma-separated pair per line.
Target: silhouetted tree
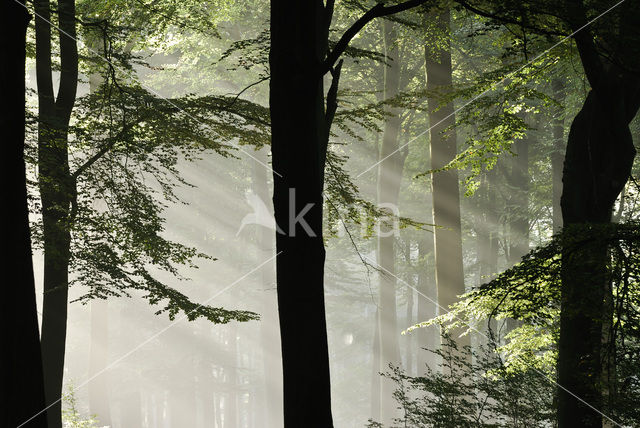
x,y
597,165
22,395
300,123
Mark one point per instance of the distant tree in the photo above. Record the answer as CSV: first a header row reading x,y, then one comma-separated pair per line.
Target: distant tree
x,y
445,187
116,129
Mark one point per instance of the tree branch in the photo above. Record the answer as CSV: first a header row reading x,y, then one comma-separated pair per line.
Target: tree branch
x,y
332,95
101,152
506,20
377,11
589,56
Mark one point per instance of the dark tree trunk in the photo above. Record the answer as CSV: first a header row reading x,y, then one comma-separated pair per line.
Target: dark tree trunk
x,y
22,395
444,185
299,143
597,165
300,125
57,189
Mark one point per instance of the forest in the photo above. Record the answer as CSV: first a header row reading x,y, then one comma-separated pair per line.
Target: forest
x,y
321,213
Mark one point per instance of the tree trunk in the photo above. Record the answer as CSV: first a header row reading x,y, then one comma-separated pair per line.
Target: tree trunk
x,y
389,178
426,337
518,209
57,189
22,394
519,202
298,145
486,242
409,321
598,162
375,371
272,395
444,184
557,156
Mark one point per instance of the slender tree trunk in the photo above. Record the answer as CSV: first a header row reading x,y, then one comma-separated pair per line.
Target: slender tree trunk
x,y
375,371
409,349
598,162
428,337
269,339
519,202
22,384
444,185
486,220
518,208
389,178
557,157
300,127
57,189
298,145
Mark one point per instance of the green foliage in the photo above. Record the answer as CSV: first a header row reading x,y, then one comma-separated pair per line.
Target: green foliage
x,y
126,144
530,292
71,416
472,389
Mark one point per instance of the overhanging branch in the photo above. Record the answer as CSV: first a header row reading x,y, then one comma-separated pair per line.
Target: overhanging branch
x,y
377,11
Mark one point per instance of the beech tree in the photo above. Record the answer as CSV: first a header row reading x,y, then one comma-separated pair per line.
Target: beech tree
x,y
300,125
597,165
22,388
75,236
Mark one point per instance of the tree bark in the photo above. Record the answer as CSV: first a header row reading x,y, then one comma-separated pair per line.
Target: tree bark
x,y
57,189
444,184
598,162
300,125
22,395
298,145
